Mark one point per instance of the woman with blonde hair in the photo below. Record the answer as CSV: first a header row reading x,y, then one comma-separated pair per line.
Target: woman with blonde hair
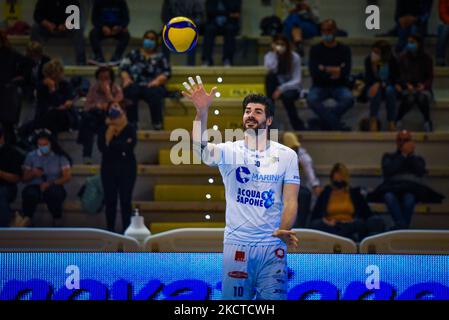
x,y
343,210
54,99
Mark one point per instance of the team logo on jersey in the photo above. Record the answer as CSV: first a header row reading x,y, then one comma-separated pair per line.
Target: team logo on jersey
x,y
242,174
239,256
255,198
280,253
238,274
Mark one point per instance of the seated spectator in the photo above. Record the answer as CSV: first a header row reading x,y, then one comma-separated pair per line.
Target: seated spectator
x,y
54,99
415,85
309,180
342,210
283,81
36,61
102,95
118,166
110,19
403,172
223,17
49,22
443,32
412,18
192,9
10,175
302,23
144,73
12,76
330,66
381,75
45,171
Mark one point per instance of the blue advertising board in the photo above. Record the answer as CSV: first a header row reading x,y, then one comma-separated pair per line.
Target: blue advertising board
x,y
197,276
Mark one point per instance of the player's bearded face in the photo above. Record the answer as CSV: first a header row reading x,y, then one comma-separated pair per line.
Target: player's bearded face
x,y
254,118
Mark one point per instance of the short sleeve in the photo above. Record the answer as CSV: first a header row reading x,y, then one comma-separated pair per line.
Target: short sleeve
x,y
64,162
28,163
292,170
213,155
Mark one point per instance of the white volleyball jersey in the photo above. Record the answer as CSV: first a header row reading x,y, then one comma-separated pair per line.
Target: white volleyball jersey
x,y
254,183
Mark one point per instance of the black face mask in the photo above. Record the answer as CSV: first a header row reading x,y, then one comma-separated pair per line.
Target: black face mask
x,y
339,184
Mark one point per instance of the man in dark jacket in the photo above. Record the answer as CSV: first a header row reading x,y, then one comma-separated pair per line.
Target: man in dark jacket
x,y
50,17
330,66
222,17
110,19
412,17
402,188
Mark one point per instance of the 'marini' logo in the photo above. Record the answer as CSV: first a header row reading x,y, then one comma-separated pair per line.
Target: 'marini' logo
x,y
242,174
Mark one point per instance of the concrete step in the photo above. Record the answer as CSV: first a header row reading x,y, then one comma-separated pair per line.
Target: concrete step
x,y
360,47
177,214
325,147
151,176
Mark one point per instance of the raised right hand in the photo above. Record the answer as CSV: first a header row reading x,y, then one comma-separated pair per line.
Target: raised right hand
x,y
198,95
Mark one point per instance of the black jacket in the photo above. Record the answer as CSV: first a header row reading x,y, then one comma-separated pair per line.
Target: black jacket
x,y
53,10
394,167
120,151
47,100
362,210
230,6
110,13
372,76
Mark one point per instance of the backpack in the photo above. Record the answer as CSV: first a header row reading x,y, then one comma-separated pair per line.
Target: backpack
x,y
91,195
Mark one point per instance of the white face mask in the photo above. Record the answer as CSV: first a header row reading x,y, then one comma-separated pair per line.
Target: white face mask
x,y
280,49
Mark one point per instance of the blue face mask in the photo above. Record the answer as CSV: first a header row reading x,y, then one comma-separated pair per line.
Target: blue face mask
x,y
412,47
328,37
149,44
44,149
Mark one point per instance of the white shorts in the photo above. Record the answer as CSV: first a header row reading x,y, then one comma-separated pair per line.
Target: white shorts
x,y
259,271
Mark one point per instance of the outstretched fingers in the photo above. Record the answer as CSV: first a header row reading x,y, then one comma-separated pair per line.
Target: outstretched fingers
x,y
213,91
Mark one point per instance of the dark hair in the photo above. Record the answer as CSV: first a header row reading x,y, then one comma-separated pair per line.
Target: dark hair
x,y
286,59
330,21
1,131
105,69
260,99
385,49
4,41
55,147
156,35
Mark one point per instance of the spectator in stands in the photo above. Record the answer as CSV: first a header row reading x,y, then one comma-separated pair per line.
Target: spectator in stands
x,y
223,17
102,95
192,9
415,86
144,73
403,187
110,19
36,61
12,75
118,166
412,18
55,97
45,171
343,210
309,180
381,75
330,66
443,32
50,18
283,81
302,23
10,175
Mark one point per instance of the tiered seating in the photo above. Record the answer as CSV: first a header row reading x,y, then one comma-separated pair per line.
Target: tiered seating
x,y
175,196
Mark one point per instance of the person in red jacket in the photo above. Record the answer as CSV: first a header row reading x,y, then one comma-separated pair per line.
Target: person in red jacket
x,y
443,32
